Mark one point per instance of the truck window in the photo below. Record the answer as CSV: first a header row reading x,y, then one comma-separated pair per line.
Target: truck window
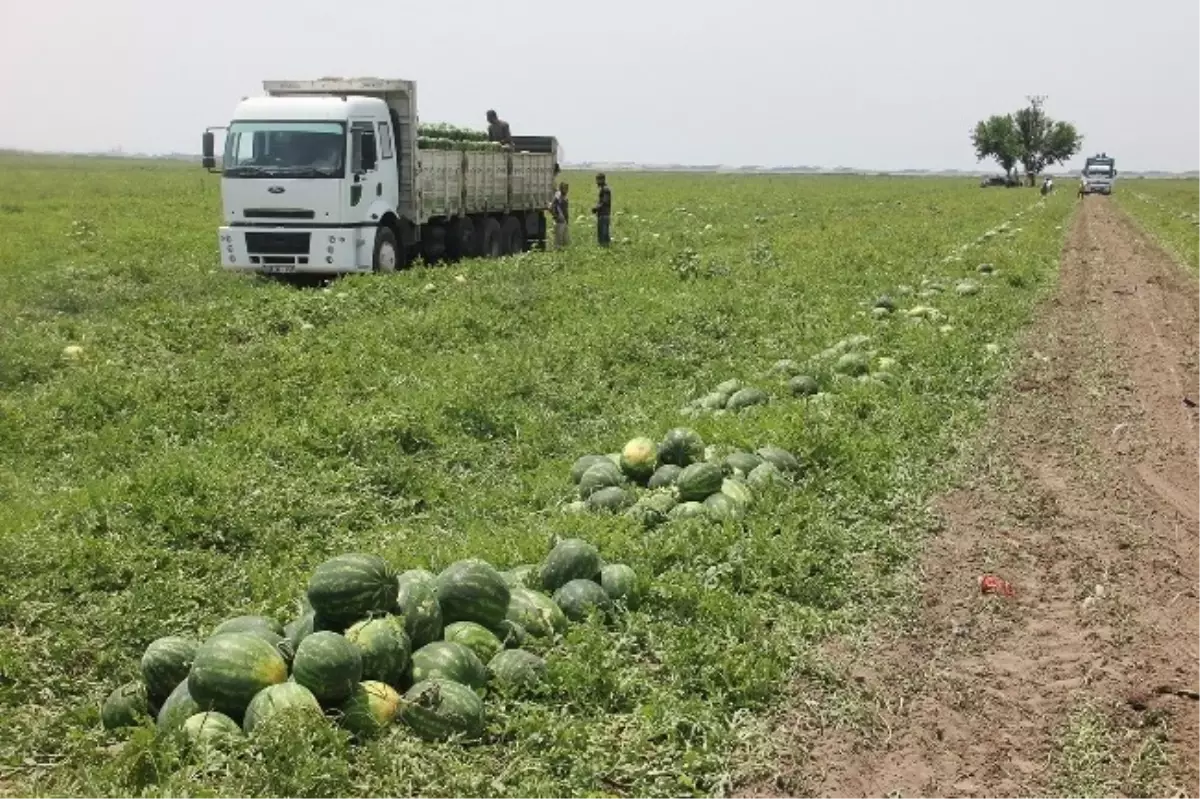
x,y
385,140
363,152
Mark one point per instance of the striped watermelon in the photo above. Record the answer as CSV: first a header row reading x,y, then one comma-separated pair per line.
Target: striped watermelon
x,y
230,669
285,697
384,647
296,630
479,639
579,597
328,665
126,706
177,708
209,728
511,634
370,709
246,624
471,590
439,709
515,670
165,663
352,587
571,559
418,603
619,582
536,612
447,660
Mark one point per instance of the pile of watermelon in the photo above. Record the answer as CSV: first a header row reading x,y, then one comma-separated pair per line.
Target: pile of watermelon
x,y
678,478
731,396
371,648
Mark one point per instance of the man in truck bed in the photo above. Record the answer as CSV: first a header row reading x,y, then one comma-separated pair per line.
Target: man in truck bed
x,y
498,129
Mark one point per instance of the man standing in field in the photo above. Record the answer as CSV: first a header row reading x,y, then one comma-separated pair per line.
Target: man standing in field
x,y
559,209
498,130
603,212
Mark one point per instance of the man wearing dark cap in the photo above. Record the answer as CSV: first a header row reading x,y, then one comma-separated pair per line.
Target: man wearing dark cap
x,y
498,130
603,212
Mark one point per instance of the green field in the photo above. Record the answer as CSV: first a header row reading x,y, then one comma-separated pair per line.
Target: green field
x,y
1167,209
217,436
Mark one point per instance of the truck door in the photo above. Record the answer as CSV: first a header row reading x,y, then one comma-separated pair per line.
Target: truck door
x,y
365,185
389,167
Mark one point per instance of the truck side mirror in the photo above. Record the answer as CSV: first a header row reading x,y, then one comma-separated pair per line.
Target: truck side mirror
x,y
207,150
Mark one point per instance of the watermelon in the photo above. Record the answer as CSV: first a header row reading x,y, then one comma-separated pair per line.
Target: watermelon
x,y
511,634
619,582
479,639
418,603
743,462
698,481
645,516
661,501
781,459
447,660
721,508
803,386
786,367
209,728
126,706
602,475
328,665
747,397
521,576
352,587
471,590
515,670
165,663
230,669
738,491
728,388
578,598
576,508
966,288
370,709
177,708
885,302
439,709
583,464
296,630
615,459
247,624
536,613
766,473
714,401
571,558
681,447
686,510
384,647
664,476
282,645
286,697
612,499
639,458
852,363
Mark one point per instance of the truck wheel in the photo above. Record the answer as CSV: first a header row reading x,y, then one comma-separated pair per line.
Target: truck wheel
x,y
387,254
462,238
491,243
514,236
433,244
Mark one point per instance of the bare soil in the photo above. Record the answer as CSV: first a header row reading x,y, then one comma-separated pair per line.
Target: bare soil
x,y
1086,501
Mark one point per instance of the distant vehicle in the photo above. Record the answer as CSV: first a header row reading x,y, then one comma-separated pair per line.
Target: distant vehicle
x,y
1099,174
331,176
997,180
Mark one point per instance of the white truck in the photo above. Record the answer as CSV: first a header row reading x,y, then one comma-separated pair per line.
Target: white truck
x,y
1099,174
326,177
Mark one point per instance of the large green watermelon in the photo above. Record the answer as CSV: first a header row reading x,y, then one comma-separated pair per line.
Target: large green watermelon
x,y
686,510
639,459
418,603
472,590
286,697
619,582
737,490
664,476
447,660
681,447
352,587
804,386
299,628
384,647
743,462
246,624
282,645
699,481
765,474
611,499
783,460
579,597
126,706
599,476
479,639
583,464
328,665
570,559
747,397
510,633
536,612
515,670
165,663
177,708
720,507
210,727
439,709
230,669
370,709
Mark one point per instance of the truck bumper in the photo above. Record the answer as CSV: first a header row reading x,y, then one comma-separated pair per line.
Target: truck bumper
x,y
1097,188
296,250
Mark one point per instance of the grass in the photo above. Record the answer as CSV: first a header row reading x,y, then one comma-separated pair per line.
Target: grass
x,y
1167,210
218,436
1097,755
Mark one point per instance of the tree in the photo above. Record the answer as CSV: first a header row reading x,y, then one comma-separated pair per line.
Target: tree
x,y
996,137
1029,136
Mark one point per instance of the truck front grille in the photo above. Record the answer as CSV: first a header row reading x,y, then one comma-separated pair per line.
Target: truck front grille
x,y
277,243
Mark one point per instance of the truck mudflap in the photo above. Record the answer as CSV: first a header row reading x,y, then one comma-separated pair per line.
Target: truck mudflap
x,y
294,250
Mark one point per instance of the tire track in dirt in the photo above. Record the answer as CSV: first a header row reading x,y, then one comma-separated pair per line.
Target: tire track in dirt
x,y
1086,500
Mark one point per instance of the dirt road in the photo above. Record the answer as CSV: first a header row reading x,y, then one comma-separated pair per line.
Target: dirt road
x,y
1085,680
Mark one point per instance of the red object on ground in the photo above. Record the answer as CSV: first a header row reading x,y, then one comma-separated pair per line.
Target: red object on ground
x,y
991,584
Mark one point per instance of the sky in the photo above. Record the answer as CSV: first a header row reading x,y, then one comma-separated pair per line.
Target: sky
x,y
872,84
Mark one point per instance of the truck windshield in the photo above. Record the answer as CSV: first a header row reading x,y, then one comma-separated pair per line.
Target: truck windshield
x,y
1099,171
285,150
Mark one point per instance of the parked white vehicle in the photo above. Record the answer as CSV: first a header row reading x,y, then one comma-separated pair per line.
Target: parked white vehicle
x,y
1099,174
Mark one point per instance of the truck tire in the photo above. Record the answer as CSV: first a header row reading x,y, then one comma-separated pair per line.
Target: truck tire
x,y
514,235
463,241
491,242
387,254
433,244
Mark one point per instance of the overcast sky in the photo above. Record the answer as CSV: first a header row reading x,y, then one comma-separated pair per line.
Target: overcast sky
x,y
879,84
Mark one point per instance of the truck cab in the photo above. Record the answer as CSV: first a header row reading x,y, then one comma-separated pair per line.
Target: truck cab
x,y
327,177
1099,174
